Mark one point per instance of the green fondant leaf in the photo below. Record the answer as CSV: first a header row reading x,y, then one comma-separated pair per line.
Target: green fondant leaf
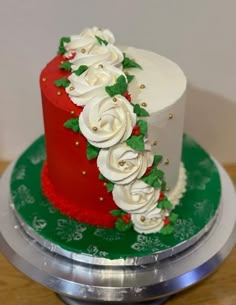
x,y
72,124
101,177
152,181
101,41
110,186
157,160
92,151
141,112
81,70
163,185
167,230
119,87
65,66
129,78
117,213
173,217
165,204
121,226
62,82
142,126
154,178
129,63
61,48
136,142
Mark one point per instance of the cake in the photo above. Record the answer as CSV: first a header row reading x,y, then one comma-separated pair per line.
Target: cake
x,y
113,127
114,180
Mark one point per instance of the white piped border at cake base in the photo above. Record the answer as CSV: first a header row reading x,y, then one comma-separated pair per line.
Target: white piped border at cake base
x,y
180,188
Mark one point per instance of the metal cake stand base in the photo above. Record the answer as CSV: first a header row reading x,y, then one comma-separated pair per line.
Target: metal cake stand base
x,y
80,283
71,301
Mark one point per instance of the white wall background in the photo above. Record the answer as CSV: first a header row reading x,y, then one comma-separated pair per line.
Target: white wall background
x,y
198,34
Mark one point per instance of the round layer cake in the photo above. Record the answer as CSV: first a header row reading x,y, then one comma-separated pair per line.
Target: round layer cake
x,y
82,84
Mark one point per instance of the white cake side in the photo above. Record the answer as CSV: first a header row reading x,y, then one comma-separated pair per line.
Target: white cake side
x,y
163,94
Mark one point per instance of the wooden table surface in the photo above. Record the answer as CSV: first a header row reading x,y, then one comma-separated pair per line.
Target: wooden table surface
x,y
217,289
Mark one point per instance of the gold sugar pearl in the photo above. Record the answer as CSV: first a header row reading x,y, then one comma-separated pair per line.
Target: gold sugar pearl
x,y
167,189
142,86
95,128
72,88
142,218
76,143
167,161
126,73
59,93
101,198
82,50
122,163
84,173
114,99
144,104
170,116
154,143
72,112
101,66
62,62
44,79
104,183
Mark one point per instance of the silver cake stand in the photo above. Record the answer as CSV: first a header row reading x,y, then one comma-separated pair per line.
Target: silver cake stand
x,y
84,283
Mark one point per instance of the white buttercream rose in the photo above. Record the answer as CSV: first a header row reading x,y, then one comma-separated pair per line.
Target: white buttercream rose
x,y
150,221
109,54
121,164
91,83
135,197
107,121
87,40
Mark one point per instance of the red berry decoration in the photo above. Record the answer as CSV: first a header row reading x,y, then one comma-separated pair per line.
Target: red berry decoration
x,y
149,168
161,196
127,95
72,56
166,221
136,131
126,218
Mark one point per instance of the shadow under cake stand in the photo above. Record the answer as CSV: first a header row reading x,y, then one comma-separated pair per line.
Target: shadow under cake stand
x,y
87,283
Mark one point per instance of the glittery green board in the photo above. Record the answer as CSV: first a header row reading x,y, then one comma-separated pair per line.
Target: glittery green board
x,y
195,209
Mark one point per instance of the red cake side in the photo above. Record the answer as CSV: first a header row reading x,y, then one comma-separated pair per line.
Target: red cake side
x,y
69,180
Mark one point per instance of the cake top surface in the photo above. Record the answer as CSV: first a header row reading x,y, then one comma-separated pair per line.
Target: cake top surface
x,y
163,79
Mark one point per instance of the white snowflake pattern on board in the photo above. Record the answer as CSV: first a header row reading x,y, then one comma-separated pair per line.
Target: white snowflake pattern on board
x,y
108,235
38,155
93,250
200,181
146,243
19,173
206,164
22,196
199,207
38,224
69,229
184,229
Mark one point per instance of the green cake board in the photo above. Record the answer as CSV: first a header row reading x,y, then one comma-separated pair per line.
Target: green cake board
x,y
197,207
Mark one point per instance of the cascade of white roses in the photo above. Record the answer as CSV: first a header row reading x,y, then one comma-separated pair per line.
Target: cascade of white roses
x,y
115,130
